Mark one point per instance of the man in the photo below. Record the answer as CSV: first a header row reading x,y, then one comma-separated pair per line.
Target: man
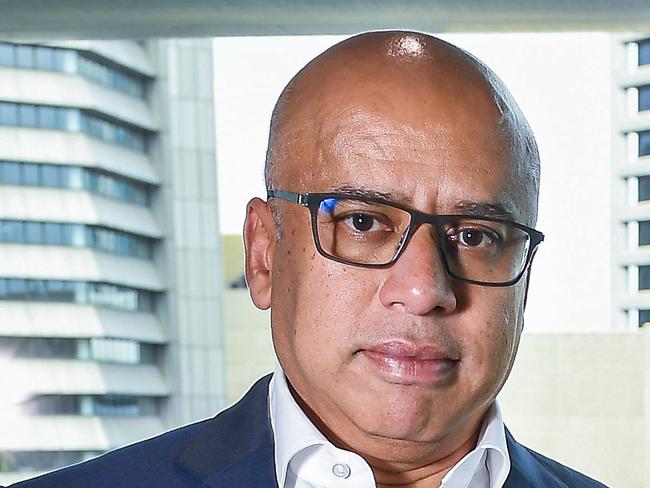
x,y
394,252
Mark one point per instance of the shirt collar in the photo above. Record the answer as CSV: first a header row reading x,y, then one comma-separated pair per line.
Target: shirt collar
x,y
489,461
293,432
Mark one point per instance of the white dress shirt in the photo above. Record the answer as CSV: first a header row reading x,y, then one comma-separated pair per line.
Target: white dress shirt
x,y
304,458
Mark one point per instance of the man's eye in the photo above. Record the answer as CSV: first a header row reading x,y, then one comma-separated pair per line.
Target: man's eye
x,y
361,222
473,237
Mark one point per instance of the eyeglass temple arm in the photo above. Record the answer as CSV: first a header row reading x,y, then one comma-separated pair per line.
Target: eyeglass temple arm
x,y
299,198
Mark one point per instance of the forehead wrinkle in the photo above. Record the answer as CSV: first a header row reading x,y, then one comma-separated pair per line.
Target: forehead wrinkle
x,y
358,134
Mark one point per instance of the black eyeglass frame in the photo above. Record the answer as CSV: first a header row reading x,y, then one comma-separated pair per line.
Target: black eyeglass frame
x,y
312,201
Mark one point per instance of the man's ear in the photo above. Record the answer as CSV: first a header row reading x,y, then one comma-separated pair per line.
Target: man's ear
x,y
259,244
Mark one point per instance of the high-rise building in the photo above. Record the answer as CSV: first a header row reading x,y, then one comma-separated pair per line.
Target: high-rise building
x,y
631,180
110,259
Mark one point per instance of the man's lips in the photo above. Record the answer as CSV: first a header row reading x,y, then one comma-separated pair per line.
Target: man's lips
x,y
408,363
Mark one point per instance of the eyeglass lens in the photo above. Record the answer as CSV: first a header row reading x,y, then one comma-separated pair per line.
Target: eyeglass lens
x,y
370,233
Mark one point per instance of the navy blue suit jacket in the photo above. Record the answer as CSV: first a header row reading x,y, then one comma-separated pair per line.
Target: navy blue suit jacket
x,y
235,450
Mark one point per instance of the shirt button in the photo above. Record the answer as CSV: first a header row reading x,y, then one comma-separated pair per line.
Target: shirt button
x,y
341,470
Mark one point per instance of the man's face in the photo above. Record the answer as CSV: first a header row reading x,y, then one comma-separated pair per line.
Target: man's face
x,y
404,353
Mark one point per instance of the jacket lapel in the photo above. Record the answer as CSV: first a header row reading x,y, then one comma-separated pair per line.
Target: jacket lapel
x,y
235,449
526,471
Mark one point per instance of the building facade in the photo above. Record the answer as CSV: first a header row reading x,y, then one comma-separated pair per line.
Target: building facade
x,y
631,180
110,258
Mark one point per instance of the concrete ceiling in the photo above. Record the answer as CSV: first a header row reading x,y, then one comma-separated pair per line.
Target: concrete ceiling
x,y
104,19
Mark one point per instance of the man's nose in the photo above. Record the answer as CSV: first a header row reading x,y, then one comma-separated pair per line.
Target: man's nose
x,y
418,281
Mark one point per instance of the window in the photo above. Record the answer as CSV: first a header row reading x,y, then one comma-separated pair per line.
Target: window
x,y
99,294
16,289
644,316
7,56
33,232
8,113
76,235
644,188
53,234
45,58
644,233
115,350
31,174
77,178
644,97
65,60
11,231
10,173
27,115
24,56
73,120
31,461
644,143
47,118
51,175
644,277
37,347
644,52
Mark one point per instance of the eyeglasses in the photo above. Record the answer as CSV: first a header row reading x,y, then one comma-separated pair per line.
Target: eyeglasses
x,y
373,233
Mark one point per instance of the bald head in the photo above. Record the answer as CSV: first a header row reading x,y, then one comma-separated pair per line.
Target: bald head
x,y
399,78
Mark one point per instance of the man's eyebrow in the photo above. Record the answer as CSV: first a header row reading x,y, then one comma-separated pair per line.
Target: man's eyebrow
x,y
481,209
465,207
354,191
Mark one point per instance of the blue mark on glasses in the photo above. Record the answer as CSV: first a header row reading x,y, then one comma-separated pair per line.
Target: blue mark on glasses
x,y
328,204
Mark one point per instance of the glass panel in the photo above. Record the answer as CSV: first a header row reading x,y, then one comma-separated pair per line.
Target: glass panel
x,y
644,188
644,316
11,231
16,289
73,177
66,61
45,58
644,52
644,277
53,234
7,54
37,290
11,173
27,115
47,117
8,114
148,353
33,232
644,233
31,174
644,143
114,405
78,235
25,56
61,291
644,98
69,119
115,350
50,175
